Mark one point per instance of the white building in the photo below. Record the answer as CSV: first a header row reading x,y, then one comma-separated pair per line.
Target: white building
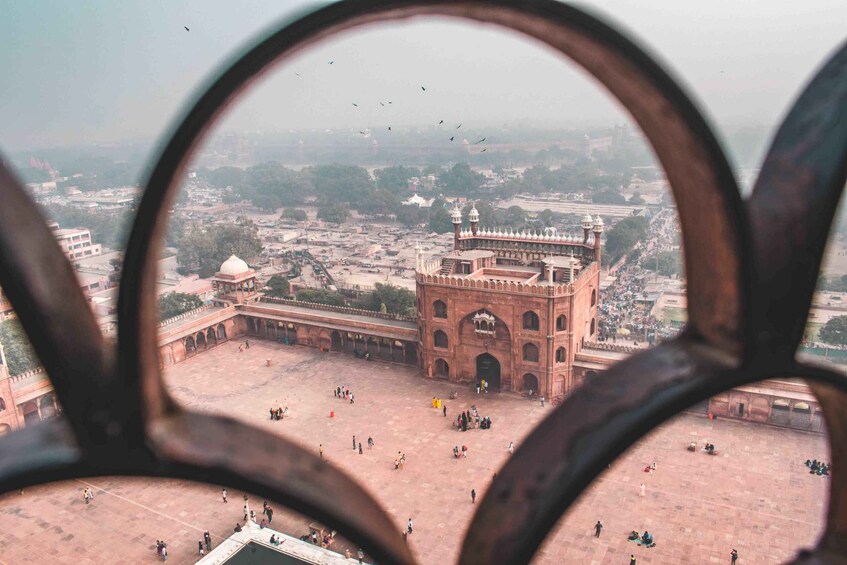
x,y
76,243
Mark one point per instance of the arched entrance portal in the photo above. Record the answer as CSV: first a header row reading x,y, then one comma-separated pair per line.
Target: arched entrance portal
x,y
488,369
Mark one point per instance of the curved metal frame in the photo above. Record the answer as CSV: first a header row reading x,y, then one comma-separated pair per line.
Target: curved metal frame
x,y
742,258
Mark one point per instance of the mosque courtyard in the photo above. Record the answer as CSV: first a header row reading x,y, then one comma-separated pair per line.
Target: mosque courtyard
x,y
756,496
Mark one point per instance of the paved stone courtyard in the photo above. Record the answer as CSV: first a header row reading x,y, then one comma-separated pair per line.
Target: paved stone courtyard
x,y
756,496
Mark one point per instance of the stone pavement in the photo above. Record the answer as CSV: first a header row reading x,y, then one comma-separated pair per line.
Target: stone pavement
x,y
756,496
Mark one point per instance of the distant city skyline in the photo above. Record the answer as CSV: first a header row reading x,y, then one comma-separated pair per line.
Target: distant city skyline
x,y
110,72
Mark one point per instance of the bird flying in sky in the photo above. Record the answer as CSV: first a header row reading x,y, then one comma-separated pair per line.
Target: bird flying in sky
x,y
424,89
356,105
451,137
480,141
381,104
484,150
331,62
389,128
441,122
186,28
458,126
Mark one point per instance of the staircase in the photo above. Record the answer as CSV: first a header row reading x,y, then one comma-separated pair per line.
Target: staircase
x,y
446,267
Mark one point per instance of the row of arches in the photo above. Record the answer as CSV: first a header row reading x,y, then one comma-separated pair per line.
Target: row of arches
x,y
530,319
204,339
382,348
42,408
272,329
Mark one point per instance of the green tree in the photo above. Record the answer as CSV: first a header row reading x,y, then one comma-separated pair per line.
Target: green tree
x,y
321,296
175,303
439,218
608,196
636,199
203,249
278,285
395,179
267,202
460,180
670,263
624,235
335,214
835,331
20,355
223,177
387,298
295,214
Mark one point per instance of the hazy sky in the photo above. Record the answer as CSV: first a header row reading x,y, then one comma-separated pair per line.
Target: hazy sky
x,y
103,71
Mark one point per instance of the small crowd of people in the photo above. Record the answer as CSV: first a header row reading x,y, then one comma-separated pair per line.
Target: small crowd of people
x,y
278,413
818,467
645,539
162,550
343,392
88,495
457,453
471,419
400,460
245,345
361,354
482,385
710,449
207,539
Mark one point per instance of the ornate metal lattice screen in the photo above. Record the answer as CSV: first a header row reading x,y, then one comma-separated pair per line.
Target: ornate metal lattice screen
x,y
751,267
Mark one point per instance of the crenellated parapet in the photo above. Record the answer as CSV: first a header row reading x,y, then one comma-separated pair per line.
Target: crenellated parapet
x,y
185,315
496,286
338,309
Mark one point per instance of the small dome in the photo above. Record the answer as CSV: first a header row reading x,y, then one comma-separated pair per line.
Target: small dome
x,y
456,215
233,266
587,221
473,215
598,224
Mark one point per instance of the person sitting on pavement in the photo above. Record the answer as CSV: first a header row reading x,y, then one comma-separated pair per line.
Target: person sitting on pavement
x,y
633,536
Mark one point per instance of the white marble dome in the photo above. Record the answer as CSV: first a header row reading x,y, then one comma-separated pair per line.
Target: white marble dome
x,y
233,267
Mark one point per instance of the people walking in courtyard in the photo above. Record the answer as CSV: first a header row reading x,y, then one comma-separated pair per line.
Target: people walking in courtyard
x,y
444,407
223,494
409,527
164,551
246,514
351,398
200,548
643,488
247,343
473,496
270,514
360,448
360,554
733,556
264,508
542,402
598,527
321,450
370,442
207,537
86,496
631,559
511,447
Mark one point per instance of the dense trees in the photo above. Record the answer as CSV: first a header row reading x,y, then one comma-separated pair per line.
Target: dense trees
x,y
278,286
175,303
108,228
670,263
321,296
624,235
294,214
20,355
395,179
203,249
608,196
460,180
835,331
439,218
335,214
388,298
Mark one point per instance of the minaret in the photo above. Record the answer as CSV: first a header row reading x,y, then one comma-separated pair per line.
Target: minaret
x,y
456,218
598,229
473,217
418,257
586,227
